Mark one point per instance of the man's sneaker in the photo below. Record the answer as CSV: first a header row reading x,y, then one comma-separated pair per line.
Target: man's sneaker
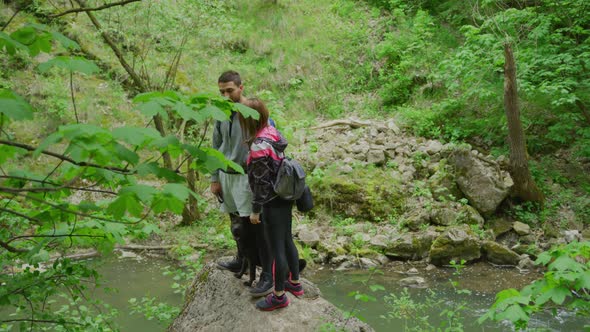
x,y
295,289
235,265
272,302
263,287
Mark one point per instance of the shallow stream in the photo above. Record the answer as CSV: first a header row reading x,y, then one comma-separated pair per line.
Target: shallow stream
x,y
137,276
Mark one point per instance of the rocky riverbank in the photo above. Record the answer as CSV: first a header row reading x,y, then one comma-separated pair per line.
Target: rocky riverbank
x,y
384,195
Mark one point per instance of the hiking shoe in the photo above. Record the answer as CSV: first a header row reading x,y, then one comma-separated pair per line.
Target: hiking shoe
x,y
234,265
263,287
295,289
272,302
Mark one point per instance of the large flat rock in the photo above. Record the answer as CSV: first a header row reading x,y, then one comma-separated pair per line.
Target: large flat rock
x,y
217,301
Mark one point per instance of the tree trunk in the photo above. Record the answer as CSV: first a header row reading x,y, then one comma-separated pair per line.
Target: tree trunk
x,y
524,185
191,209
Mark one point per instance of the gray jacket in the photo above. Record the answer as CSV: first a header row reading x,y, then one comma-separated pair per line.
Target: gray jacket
x,y
228,139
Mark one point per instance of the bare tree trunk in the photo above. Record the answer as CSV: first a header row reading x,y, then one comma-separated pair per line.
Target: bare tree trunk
x,y
524,185
191,209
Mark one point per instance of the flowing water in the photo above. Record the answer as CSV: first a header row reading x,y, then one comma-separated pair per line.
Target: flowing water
x,y
483,281
135,277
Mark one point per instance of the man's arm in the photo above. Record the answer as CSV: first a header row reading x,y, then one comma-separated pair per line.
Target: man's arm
x,y
216,142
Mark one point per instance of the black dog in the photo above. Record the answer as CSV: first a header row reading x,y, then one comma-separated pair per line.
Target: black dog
x,y
251,238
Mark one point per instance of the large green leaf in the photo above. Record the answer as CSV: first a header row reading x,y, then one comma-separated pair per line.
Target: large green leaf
x,y
74,63
177,190
247,111
136,135
25,35
10,44
211,111
152,108
144,192
563,263
216,160
557,294
14,106
127,202
513,313
187,113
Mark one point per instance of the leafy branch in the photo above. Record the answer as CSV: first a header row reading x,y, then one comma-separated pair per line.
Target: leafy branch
x,y
66,158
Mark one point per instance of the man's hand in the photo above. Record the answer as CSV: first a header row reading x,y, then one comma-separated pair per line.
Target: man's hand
x,y
255,218
216,188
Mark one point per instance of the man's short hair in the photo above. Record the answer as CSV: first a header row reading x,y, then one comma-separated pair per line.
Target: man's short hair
x,y
230,76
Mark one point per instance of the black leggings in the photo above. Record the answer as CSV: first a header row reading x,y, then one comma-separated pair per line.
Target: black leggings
x,y
277,219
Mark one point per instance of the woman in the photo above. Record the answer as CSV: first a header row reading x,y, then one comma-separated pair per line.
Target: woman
x,y
267,148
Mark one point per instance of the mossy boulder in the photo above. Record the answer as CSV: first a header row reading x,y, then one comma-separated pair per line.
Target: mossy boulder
x,y
499,254
456,214
411,246
499,226
456,243
370,195
443,184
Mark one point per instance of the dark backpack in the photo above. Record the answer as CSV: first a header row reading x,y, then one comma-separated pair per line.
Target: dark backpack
x,y
290,181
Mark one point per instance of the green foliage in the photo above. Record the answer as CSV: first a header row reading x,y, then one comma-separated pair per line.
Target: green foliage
x,y
565,284
50,207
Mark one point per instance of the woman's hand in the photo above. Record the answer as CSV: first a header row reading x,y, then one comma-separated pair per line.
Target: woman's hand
x,y
255,218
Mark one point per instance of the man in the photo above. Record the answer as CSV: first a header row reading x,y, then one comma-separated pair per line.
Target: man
x,y
232,188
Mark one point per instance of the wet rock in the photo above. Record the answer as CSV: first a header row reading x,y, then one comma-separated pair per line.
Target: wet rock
x,y
379,241
412,271
499,254
456,243
309,238
321,258
528,239
456,214
414,282
509,239
338,260
499,226
331,249
430,267
416,218
526,263
481,180
367,263
217,301
347,265
411,246
521,228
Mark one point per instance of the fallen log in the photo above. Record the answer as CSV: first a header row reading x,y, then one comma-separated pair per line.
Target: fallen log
x,y
353,123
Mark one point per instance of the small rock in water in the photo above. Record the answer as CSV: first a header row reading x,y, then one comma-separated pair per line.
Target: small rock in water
x,y
430,267
414,282
412,271
129,254
368,263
